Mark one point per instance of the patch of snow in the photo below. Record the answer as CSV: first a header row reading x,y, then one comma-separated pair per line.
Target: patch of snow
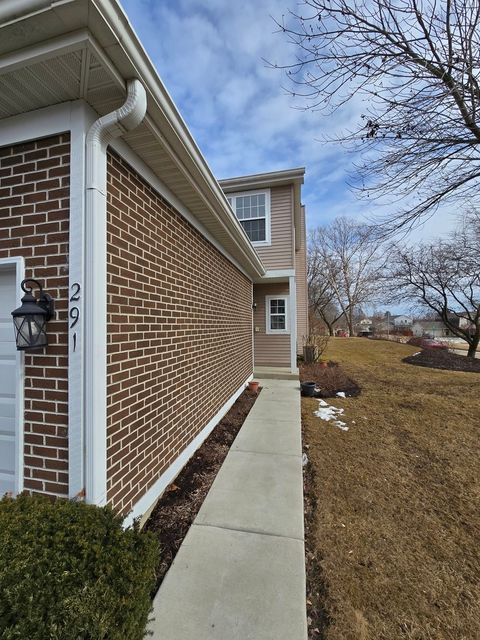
x,y
304,460
341,394
416,354
330,414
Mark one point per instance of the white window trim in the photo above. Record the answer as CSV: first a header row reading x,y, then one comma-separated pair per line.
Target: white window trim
x,y
275,332
268,216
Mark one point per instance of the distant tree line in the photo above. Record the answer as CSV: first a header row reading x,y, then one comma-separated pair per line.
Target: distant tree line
x,y
349,269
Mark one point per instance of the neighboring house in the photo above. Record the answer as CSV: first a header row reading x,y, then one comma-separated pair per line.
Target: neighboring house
x,y
383,326
364,327
429,329
269,209
462,322
401,322
107,202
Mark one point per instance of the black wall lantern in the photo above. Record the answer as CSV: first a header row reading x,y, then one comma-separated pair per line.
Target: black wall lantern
x,y
30,319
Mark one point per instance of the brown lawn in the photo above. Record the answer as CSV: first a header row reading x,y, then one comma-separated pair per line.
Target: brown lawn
x,y
394,535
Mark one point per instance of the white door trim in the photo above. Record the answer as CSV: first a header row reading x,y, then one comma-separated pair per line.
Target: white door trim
x,y
19,265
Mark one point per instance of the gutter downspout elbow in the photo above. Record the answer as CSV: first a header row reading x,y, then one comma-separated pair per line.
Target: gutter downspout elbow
x,y
100,134
112,125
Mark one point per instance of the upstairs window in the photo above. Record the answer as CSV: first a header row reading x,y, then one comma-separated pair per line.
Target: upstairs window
x,y
252,209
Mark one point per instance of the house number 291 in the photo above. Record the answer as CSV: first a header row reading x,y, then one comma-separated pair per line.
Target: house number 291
x,y
74,311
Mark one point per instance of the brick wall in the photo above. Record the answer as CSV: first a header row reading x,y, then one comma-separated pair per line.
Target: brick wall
x,y
179,334
34,220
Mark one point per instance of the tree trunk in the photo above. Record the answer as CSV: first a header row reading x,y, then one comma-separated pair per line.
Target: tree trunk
x,y
472,348
350,324
329,324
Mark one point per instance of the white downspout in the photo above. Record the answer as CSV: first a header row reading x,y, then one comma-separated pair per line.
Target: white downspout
x,y
102,131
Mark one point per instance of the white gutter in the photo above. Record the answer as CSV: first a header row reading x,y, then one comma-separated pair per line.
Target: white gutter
x,y
103,131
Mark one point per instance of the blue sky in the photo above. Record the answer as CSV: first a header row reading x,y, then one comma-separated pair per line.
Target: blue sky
x,y
209,55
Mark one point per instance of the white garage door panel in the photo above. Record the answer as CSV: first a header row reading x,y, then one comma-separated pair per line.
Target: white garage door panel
x,y
7,483
7,344
8,383
7,453
7,409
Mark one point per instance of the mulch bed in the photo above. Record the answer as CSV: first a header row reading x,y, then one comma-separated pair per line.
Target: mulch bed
x,y
330,379
442,359
177,508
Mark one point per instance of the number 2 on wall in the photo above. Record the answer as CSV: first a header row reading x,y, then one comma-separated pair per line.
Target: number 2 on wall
x,y
74,311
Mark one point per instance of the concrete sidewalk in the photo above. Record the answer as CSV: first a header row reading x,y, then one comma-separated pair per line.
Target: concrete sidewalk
x,y
240,572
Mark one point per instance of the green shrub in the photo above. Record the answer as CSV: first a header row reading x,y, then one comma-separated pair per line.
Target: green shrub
x,y
69,571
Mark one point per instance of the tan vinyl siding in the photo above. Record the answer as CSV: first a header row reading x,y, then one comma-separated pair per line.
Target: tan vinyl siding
x,y
269,350
279,255
301,281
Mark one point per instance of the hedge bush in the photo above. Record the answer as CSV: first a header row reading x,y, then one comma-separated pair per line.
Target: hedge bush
x,y
69,571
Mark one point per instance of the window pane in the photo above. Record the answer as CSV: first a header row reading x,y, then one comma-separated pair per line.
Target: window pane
x,y
277,306
277,322
250,206
255,229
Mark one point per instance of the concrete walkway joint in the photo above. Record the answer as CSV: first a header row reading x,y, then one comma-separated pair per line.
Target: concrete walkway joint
x,y
240,572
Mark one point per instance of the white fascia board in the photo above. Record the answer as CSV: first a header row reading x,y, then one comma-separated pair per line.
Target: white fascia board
x,y
123,150
151,496
258,180
278,273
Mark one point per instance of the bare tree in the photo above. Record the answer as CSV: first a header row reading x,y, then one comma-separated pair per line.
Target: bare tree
x,y
321,295
343,269
415,65
444,277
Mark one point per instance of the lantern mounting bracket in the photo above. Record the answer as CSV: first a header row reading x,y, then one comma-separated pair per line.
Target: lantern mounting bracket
x,y
45,300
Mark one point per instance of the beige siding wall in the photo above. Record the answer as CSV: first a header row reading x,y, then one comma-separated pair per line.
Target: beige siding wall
x,y
269,350
280,254
301,281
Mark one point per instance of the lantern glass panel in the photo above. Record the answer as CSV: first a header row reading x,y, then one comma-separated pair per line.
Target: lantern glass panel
x,y
30,331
